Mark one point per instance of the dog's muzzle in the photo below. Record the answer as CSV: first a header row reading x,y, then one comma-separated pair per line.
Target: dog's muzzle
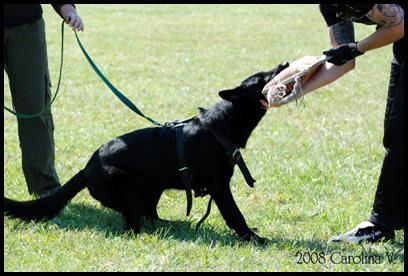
x,y
287,85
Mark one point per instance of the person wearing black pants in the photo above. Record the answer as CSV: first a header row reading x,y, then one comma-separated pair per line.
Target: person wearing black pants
x,y
388,209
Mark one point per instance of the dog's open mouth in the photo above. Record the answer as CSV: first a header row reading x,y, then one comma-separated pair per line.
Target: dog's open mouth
x,y
287,85
283,92
276,93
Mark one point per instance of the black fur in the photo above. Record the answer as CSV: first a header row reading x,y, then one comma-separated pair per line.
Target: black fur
x,y
129,173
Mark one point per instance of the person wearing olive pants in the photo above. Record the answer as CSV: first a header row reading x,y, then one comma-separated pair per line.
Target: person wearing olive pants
x,y
26,65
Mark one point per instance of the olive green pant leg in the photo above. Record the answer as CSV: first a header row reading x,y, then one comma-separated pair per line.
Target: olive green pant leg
x,y
26,65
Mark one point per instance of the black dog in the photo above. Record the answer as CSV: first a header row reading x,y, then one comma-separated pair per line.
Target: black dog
x,y
129,173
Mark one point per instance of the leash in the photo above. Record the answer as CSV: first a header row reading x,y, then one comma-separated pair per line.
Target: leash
x,y
48,106
114,90
118,94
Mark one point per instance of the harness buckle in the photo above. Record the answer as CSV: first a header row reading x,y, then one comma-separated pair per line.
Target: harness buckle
x,y
236,155
183,169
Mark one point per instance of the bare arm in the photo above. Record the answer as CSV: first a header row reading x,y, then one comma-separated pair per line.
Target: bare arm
x,y
340,33
390,18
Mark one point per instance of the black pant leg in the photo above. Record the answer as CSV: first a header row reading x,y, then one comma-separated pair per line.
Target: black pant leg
x,y
388,208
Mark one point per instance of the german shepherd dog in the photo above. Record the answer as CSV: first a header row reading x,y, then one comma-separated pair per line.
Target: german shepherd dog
x,y
129,173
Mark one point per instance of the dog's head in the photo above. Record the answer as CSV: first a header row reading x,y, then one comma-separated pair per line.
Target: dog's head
x,y
250,89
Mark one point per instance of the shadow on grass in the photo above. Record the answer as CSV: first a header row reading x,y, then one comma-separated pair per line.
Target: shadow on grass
x,y
82,217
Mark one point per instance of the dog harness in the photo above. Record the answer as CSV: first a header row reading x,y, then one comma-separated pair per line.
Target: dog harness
x,y
231,150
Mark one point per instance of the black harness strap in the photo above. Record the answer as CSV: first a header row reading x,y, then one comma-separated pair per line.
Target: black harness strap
x,y
207,213
234,153
183,168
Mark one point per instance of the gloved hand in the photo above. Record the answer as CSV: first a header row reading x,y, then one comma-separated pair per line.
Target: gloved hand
x,y
343,53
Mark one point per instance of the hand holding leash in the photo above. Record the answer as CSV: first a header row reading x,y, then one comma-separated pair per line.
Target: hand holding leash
x,y
72,18
75,22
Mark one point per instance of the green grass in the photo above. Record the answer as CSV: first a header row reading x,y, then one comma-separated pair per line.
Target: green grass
x,y
317,164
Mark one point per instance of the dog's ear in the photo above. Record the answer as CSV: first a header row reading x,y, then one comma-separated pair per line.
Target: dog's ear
x,y
202,109
231,94
279,68
283,65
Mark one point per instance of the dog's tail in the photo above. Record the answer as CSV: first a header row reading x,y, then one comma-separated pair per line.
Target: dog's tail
x,y
47,207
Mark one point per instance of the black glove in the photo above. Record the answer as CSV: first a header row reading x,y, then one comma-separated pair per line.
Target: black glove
x,y
343,53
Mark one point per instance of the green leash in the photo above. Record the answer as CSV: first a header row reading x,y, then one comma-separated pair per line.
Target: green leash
x,y
48,107
118,94
115,91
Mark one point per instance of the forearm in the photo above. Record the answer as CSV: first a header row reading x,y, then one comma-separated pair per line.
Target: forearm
x,y
390,18
339,33
62,9
327,73
382,37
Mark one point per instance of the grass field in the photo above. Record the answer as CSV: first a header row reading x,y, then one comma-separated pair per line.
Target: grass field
x,y
316,164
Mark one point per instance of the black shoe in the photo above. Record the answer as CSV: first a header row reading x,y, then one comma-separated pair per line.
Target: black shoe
x,y
46,193
365,232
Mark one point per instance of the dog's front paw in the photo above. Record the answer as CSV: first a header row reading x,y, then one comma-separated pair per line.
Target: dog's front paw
x,y
260,241
252,237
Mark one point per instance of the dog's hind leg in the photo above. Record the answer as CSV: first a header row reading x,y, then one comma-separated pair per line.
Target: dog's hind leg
x,y
121,191
133,209
154,198
134,202
148,194
133,219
